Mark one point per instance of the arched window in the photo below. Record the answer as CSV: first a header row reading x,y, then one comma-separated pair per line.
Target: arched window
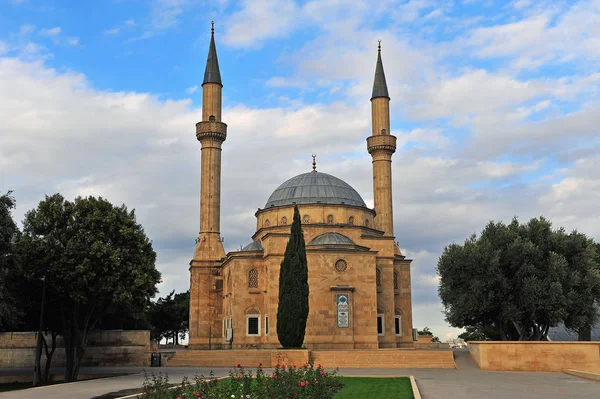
x,y
366,222
351,220
229,283
212,118
267,223
396,283
305,219
284,220
329,219
378,277
252,278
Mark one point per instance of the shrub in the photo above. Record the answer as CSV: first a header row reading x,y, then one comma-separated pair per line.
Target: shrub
x,y
304,382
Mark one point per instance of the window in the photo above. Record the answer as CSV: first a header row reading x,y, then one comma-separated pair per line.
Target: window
x,y
284,220
267,223
398,324
266,325
252,325
351,220
305,219
396,279
378,277
253,279
380,325
341,266
329,219
366,222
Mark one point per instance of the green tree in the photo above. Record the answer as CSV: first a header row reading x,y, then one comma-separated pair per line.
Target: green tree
x,y
474,333
169,317
425,331
292,310
97,262
9,313
516,281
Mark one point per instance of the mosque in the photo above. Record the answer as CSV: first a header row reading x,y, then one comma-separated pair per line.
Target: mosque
x,y
360,292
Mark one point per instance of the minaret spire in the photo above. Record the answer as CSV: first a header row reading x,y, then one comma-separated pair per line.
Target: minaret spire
x,y
381,145
379,85
212,74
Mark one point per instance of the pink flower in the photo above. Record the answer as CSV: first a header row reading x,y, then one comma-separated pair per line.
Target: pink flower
x,y
306,382
316,382
301,384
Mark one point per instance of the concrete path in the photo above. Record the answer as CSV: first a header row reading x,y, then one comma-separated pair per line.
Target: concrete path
x,y
467,382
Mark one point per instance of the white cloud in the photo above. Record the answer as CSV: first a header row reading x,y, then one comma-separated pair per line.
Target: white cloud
x,y
73,41
259,20
3,48
192,89
165,13
52,32
112,32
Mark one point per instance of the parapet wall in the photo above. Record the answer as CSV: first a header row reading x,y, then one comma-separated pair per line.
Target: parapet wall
x,y
358,358
536,356
105,348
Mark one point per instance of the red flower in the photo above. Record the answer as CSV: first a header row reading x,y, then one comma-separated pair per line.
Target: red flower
x,y
239,365
259,364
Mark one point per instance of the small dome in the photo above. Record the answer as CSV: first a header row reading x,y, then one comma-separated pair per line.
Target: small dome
x,y
315,187
253,246
331,239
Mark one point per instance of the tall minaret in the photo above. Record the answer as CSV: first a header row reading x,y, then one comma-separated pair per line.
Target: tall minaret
x,y
211,133
381,145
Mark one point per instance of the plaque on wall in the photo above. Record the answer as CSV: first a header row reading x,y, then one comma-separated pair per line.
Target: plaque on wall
x,y
343,310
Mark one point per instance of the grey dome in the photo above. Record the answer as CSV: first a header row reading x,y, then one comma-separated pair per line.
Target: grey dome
x,y
314,187
253,246
331,239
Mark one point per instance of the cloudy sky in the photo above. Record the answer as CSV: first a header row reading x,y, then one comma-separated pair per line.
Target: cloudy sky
x,y
495,105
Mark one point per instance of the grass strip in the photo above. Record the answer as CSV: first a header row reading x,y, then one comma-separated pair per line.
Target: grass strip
x,y
375,388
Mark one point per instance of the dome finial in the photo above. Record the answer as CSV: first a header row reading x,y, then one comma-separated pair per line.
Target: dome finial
x,y
379,46
212,29
314,157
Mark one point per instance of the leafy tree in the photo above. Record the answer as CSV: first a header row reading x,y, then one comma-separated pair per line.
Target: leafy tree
x,y
9,313
424,331
427,332
292,311
97,263
478,333
516,281
169,317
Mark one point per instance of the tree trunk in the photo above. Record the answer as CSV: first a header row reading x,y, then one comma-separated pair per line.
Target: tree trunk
x,y
49,355
585,334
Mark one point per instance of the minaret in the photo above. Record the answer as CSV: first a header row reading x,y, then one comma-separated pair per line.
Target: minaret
x,y
381,145
211,133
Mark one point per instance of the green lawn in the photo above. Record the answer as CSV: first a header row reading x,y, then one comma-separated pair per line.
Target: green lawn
x,y
375,388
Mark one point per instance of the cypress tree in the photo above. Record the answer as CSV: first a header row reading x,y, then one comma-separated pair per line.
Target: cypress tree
x,y
292,310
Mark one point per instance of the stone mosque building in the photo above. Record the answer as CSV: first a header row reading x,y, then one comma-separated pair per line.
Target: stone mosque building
x,y
359,281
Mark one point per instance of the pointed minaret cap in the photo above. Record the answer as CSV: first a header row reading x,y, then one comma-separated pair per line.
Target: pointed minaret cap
x,y
212,73
379,85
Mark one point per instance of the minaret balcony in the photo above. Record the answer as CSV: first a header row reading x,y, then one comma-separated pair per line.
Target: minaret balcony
x,y
212,130
378,143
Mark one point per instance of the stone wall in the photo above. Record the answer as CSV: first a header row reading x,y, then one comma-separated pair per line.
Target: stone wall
x,y
536,356
105,348
367,358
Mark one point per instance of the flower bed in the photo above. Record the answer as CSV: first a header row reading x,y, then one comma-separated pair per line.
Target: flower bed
x,y
304,382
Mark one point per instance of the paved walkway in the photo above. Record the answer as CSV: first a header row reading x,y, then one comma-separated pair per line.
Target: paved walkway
x,y
467,382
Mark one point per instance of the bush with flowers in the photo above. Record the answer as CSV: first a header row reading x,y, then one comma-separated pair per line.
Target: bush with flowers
x,y
304,382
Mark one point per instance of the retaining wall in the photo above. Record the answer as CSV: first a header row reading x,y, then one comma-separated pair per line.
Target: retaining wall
x,y
105,348
536,356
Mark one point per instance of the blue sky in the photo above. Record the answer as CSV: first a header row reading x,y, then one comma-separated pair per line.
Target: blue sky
x,y
494,103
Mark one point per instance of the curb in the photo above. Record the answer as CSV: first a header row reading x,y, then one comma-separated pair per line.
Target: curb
x,y
583,374
415,388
